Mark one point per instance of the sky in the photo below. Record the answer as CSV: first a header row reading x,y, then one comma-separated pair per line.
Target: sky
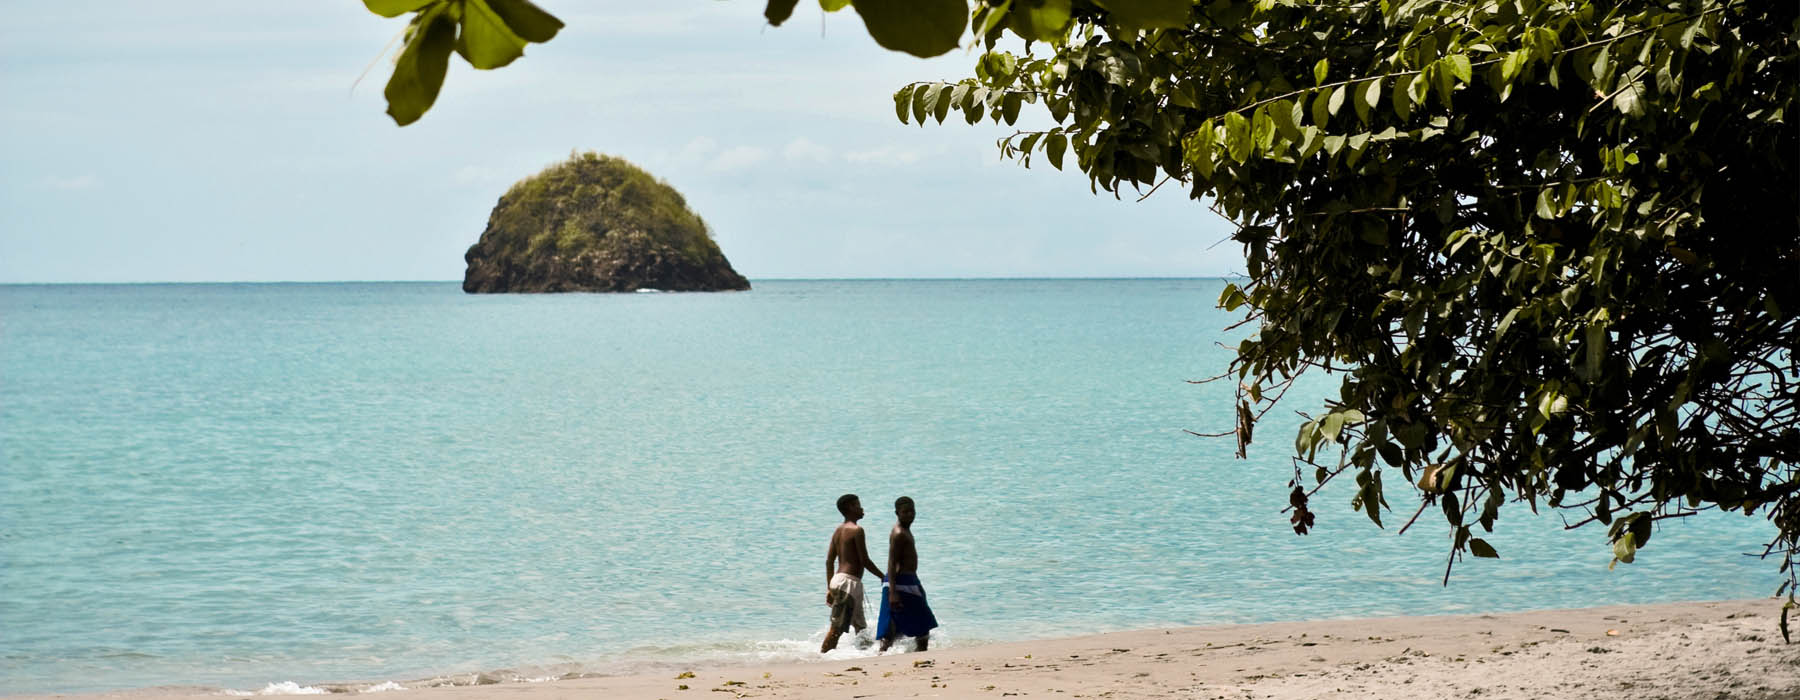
x,y
230,140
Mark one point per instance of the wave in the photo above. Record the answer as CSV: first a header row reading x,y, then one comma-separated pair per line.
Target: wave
x,y
648,660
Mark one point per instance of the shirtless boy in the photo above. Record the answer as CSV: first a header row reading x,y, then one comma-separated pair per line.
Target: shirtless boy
x,y
903,609
845,560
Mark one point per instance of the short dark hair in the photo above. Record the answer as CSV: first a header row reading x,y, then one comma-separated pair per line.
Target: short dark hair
x,y
844,503
902,501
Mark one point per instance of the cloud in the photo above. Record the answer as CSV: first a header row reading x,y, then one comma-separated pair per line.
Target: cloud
x,y
737,158
886,155
802,149
78,182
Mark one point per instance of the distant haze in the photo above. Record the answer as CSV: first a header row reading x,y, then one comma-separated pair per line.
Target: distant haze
x,y
196,141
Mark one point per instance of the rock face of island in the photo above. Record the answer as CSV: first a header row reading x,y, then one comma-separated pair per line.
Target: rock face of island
x,y
596,223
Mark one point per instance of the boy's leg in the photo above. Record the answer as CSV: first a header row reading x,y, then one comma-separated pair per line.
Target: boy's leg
x,y
925,641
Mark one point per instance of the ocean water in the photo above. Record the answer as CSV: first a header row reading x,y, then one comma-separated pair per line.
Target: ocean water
x,y
272,486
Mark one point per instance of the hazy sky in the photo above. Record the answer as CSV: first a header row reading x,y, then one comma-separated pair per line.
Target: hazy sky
x,y
183,140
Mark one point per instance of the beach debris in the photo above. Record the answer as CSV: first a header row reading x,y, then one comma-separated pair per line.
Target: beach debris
x,y
765,674
854,668
926,663
1556,629
685,674
1612,633
732,683
888,674
1121,651
681,687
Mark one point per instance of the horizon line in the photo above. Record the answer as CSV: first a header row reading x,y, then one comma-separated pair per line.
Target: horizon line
x,y
752,279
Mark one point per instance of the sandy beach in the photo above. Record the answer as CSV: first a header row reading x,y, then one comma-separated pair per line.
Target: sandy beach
x,y
1676,651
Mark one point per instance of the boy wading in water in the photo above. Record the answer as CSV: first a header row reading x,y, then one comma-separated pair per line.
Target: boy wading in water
x,y
845,560
903,609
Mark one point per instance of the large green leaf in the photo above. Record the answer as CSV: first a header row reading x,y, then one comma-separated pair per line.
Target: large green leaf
x,y
1148,14
395,8
778,11
485,41
923,28
833,5
528,21
420,70
1040,20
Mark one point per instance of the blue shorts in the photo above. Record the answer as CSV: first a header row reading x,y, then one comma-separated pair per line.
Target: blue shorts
x,y
914,618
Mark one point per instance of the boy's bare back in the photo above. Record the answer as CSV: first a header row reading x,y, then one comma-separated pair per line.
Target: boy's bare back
x,y
847,547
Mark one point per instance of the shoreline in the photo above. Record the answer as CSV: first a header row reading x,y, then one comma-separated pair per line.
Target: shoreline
x,y
1709,649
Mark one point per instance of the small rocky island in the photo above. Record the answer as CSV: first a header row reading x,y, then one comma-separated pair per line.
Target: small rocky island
x,y
596,223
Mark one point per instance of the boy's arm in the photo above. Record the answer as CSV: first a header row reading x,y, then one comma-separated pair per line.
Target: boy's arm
x,y
862,544
831,555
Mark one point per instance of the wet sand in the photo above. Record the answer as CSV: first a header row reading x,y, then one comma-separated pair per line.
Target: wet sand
x,y
1676,651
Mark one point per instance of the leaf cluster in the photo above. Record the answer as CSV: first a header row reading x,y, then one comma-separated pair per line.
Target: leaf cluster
x,y
1551,247
486,33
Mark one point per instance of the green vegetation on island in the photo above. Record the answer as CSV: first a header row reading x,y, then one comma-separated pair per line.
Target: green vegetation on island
x,y
596,223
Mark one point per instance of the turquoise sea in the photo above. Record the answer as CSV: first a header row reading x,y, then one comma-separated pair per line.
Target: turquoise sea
x,y
271,486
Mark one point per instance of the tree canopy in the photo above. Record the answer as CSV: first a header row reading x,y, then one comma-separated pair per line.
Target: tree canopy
x,y
1550,247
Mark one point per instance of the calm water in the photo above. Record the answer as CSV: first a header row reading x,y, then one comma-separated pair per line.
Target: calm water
x,y
238,485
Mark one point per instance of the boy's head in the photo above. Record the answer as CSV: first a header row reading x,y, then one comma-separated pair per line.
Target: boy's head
x,y
903,509
850,506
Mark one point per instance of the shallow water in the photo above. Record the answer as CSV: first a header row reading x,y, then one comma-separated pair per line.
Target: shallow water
x,y
243,485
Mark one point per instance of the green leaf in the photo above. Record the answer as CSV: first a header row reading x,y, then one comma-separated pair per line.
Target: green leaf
x,y
1512,65
921,106
485,41
419,72
1368,94
945,95
833,5
1630,100
1546,203
1237,137
1148,14
1311,137
526,20
1601,65
1445,82
994,16
778,11
1334,143
1460,67
1640,530
1040,20
1337,99
1287,119
1321,108
1262,130
1595,352
1320,71
1054,147
1231,298
1482,549
395,8
1624,550
903,102
1506,322
1010,106
923,28
1403,101
1199,147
